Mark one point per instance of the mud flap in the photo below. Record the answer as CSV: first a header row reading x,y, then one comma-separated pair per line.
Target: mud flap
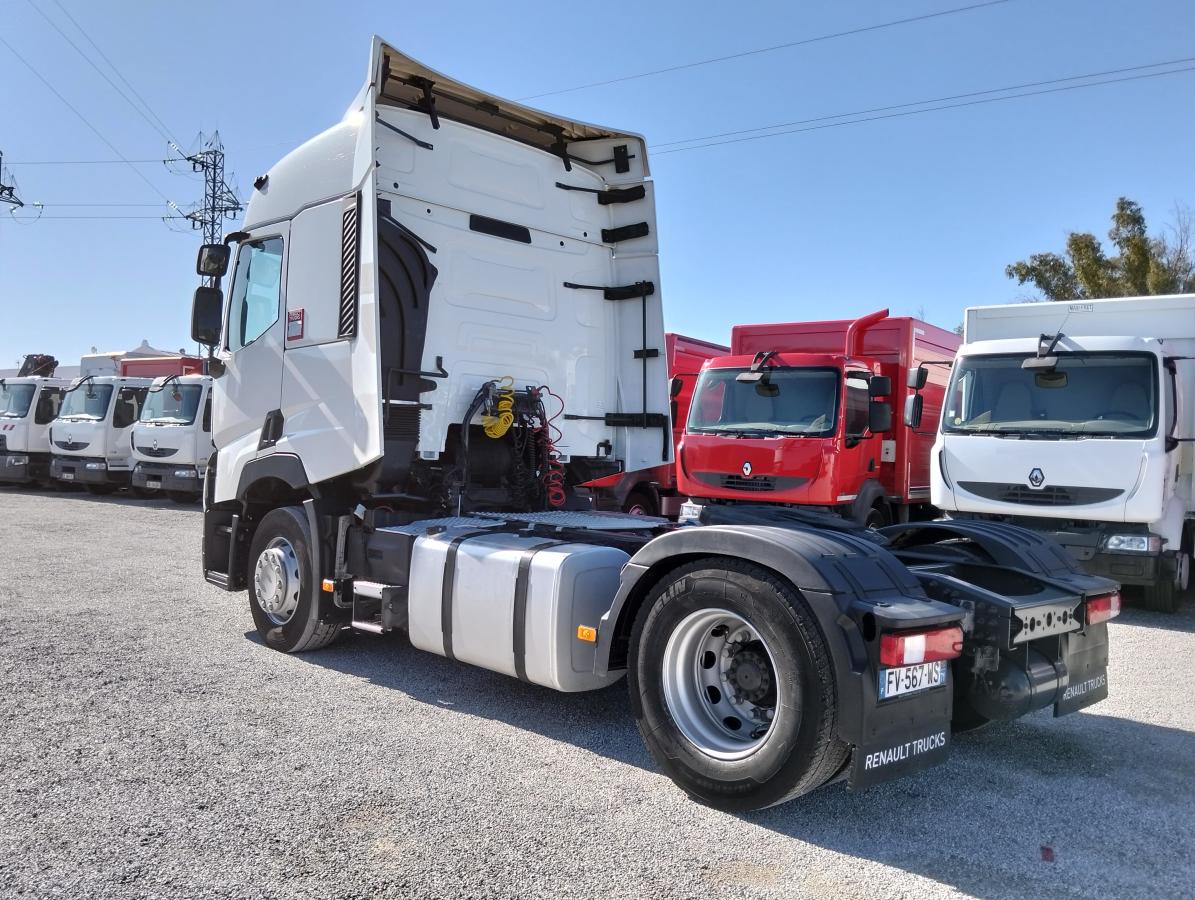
x,y
1086,657
886,760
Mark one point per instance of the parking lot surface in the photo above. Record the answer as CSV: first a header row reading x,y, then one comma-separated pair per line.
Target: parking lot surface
x,y
151,746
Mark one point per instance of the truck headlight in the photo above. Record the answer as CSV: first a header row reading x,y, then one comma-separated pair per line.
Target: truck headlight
x,y
96,465
690,513
1133,543
184,473
18,460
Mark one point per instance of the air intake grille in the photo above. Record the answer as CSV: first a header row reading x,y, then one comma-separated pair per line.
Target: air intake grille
x,y
158,453
762,484
3,443
349,264
1052,495
72,445
757,484
402,423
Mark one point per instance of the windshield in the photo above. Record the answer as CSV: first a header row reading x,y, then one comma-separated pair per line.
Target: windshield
x,y
15,400
790,401
1086,394
90,401
173,405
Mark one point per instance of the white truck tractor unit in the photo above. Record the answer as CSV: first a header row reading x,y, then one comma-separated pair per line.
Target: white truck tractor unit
x,y
90,438
28,404
1076,420
442,317
172,440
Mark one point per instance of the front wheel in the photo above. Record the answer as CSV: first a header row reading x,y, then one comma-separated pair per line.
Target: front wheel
x,y
184,498
732,686
1161,596
101,490
282,587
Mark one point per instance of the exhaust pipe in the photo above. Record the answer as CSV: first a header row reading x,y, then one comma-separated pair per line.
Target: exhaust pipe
x,y
854,331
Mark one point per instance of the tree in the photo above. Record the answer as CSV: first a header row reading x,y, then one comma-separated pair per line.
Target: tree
x,y
1162,264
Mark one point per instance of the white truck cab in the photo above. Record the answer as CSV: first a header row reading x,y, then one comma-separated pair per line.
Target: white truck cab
x,y
1075,419
172,440
90,438
27,407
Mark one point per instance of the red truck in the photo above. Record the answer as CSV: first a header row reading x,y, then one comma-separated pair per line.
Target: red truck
x,y
157,366
801,413
652,492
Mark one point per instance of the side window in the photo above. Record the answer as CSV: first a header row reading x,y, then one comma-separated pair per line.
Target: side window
x,y
256,286
207,414
49,401
128,407
857,399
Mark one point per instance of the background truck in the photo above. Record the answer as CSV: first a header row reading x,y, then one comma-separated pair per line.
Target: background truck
x,y
1075,419
172,439
653,492
800,413
89,439
443,317
28,404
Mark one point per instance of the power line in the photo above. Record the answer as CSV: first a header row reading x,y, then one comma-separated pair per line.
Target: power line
x,y
812,40
104,75
106,218
48,205
91,162
117,71
915,112
86,122
876,109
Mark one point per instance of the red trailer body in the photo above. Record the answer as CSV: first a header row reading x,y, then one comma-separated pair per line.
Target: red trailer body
x,y
158,366
653,491
826,457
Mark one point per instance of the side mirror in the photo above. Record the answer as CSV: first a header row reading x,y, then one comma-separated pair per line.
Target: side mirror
x,y
207,311
917,378
913,406
213,260
879,386
879,417
674,387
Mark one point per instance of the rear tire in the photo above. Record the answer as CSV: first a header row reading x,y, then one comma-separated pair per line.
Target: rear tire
x,y
287,611
792,752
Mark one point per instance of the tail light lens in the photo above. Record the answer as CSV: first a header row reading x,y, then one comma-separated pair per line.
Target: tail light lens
x,y
1103,608
907,648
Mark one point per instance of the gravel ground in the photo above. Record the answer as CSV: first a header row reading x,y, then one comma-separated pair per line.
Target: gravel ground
x,y
152,747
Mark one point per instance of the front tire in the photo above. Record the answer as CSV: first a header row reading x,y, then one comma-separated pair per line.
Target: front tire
x,y
184,498
732,686
1160,597
282,588
101,490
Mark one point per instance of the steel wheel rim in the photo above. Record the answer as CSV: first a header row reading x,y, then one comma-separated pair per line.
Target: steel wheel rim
x,y
707,695
276,581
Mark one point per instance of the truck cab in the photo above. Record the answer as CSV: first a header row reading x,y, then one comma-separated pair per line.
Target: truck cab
x,y
172,440
90,437
801,414
27,407
1075,419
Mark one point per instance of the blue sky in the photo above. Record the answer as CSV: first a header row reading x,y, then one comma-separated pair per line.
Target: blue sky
x,y
915,212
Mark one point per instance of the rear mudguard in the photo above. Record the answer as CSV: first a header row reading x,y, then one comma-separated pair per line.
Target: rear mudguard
x,y
857,590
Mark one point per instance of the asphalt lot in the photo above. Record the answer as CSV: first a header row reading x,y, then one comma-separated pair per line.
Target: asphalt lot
x,y
150,746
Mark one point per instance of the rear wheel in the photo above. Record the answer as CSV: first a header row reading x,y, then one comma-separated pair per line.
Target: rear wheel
x,y
732,686
282,588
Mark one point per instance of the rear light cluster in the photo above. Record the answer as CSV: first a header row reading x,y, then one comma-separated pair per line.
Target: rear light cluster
x,y
908,648
1103,608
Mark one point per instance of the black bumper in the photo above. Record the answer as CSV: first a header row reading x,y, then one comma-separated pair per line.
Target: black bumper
x,y
161,476
1127,568
74,469
36,467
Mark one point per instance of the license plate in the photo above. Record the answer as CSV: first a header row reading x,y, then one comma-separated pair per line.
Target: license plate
x,y
153,482
68,476
911,679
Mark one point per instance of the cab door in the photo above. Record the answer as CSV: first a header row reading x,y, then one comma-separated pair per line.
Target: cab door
x,y
246,419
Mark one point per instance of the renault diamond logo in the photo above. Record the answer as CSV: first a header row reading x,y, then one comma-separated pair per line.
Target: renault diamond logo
x,y
155,443
1036,478
70,438
746,470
